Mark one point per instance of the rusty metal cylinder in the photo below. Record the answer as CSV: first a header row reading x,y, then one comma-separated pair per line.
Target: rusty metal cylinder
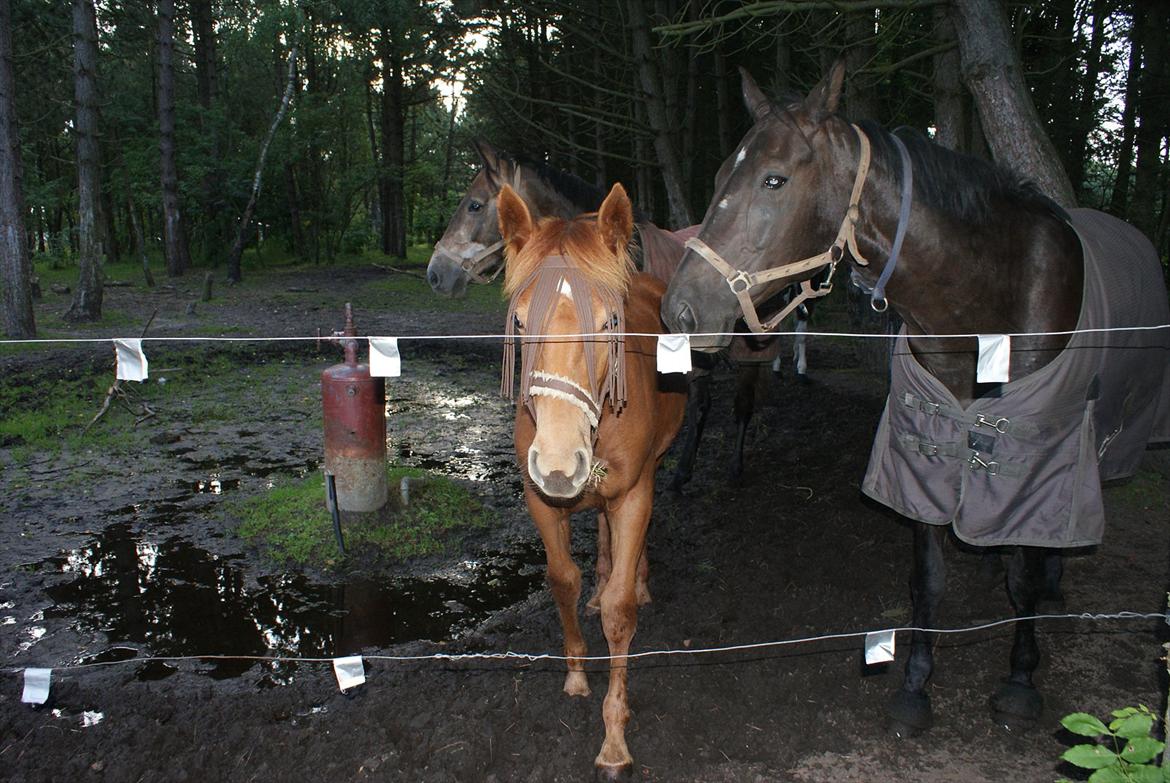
x,y
355,432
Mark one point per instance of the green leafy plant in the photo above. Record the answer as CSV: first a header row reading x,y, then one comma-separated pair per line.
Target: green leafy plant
x,y
1124,752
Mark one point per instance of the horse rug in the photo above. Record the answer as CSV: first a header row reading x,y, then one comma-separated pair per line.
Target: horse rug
x,y
1024,465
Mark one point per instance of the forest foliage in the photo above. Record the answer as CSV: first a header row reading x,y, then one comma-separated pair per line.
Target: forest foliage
x,y
388,94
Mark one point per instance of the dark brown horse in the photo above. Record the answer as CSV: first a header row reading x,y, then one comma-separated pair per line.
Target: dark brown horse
x,y
594,417
956,247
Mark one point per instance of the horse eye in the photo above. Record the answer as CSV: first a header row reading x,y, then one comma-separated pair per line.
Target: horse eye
x,y
774,181
517,323
474,206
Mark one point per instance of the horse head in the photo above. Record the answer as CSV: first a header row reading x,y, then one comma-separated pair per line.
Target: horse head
x,y
778,199
566,278
470,248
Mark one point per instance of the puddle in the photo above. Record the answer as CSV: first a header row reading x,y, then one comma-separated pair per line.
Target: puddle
x,y
169,597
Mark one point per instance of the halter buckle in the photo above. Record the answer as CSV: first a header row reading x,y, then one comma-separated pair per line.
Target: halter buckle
x,y
740,277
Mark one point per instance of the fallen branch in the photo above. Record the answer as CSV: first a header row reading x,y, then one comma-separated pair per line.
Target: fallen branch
x,y
398,271
117,392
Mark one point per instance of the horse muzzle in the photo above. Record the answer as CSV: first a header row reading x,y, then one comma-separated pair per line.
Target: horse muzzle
x,y
445,275
559,476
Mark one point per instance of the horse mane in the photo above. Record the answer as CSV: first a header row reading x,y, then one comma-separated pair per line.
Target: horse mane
x,y
580,240
583,195
967,189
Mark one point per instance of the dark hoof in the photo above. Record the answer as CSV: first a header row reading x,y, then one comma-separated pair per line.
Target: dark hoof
x,y
1017,707
802,379
614,774
678,482
909,714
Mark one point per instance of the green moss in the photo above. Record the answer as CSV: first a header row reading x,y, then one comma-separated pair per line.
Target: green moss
x,y
291,524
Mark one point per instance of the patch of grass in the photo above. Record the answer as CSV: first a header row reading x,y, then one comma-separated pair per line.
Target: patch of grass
x,y
291,524
1147,489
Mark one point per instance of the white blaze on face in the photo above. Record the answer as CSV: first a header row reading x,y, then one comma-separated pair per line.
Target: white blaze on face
x,y
565,289
723,204
739,158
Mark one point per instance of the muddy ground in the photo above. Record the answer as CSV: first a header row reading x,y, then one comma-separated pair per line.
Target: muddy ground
x,y
120,556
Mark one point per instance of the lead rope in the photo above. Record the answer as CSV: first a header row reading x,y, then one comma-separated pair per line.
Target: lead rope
x,y
879,289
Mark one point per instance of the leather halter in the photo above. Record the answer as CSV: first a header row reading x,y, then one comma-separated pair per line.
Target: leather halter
x,y
741,283
475,265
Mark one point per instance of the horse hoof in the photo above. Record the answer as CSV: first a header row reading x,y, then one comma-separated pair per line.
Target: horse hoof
x,y
1017,707
909,714
802,379
613,773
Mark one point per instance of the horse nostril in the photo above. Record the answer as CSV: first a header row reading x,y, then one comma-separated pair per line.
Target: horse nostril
x,y
686,319
433,278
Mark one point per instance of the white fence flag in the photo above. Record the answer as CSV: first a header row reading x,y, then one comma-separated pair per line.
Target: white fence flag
x,y
674,353
995,355
132,364
385,361
36,686
349,671
879,647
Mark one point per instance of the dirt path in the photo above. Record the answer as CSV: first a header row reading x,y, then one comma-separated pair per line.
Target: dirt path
x,y
792,551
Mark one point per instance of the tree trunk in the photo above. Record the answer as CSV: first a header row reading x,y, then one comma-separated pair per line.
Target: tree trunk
x,y
393,126
207,88
174,233
860,95
950,105
140,241
244,230
660,122
1085,118
87,298
15,268
1154,120
992,71
1119,199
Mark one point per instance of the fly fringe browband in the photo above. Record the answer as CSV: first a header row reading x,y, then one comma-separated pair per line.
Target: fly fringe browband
x,y
741,283
546,283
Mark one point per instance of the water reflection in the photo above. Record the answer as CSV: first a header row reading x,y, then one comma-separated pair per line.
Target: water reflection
x,y
173,598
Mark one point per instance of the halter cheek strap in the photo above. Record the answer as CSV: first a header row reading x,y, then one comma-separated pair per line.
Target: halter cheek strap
x,y
741,283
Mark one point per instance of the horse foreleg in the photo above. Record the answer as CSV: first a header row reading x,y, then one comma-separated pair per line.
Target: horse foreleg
x,y
909,710
745,406
1018,700
564,579
604,564
698,405
1053,572
619,619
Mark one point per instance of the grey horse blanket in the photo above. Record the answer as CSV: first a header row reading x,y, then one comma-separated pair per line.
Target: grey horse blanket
x,y
1026,467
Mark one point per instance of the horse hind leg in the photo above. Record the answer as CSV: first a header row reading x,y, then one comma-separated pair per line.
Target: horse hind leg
x,y
1018,703
909,710
800,350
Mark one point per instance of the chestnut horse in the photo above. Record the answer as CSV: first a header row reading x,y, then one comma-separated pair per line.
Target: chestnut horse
x,y
471,251
594,418
957,247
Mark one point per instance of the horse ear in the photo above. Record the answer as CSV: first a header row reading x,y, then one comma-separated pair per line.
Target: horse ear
x,y
753,97
496,166
515,219
825,97
616,219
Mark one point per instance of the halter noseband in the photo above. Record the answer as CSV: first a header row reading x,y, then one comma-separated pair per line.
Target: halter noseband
x,y
741,283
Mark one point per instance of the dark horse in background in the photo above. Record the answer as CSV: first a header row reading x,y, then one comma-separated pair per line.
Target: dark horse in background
x,y
1016,465
471,251
593,422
